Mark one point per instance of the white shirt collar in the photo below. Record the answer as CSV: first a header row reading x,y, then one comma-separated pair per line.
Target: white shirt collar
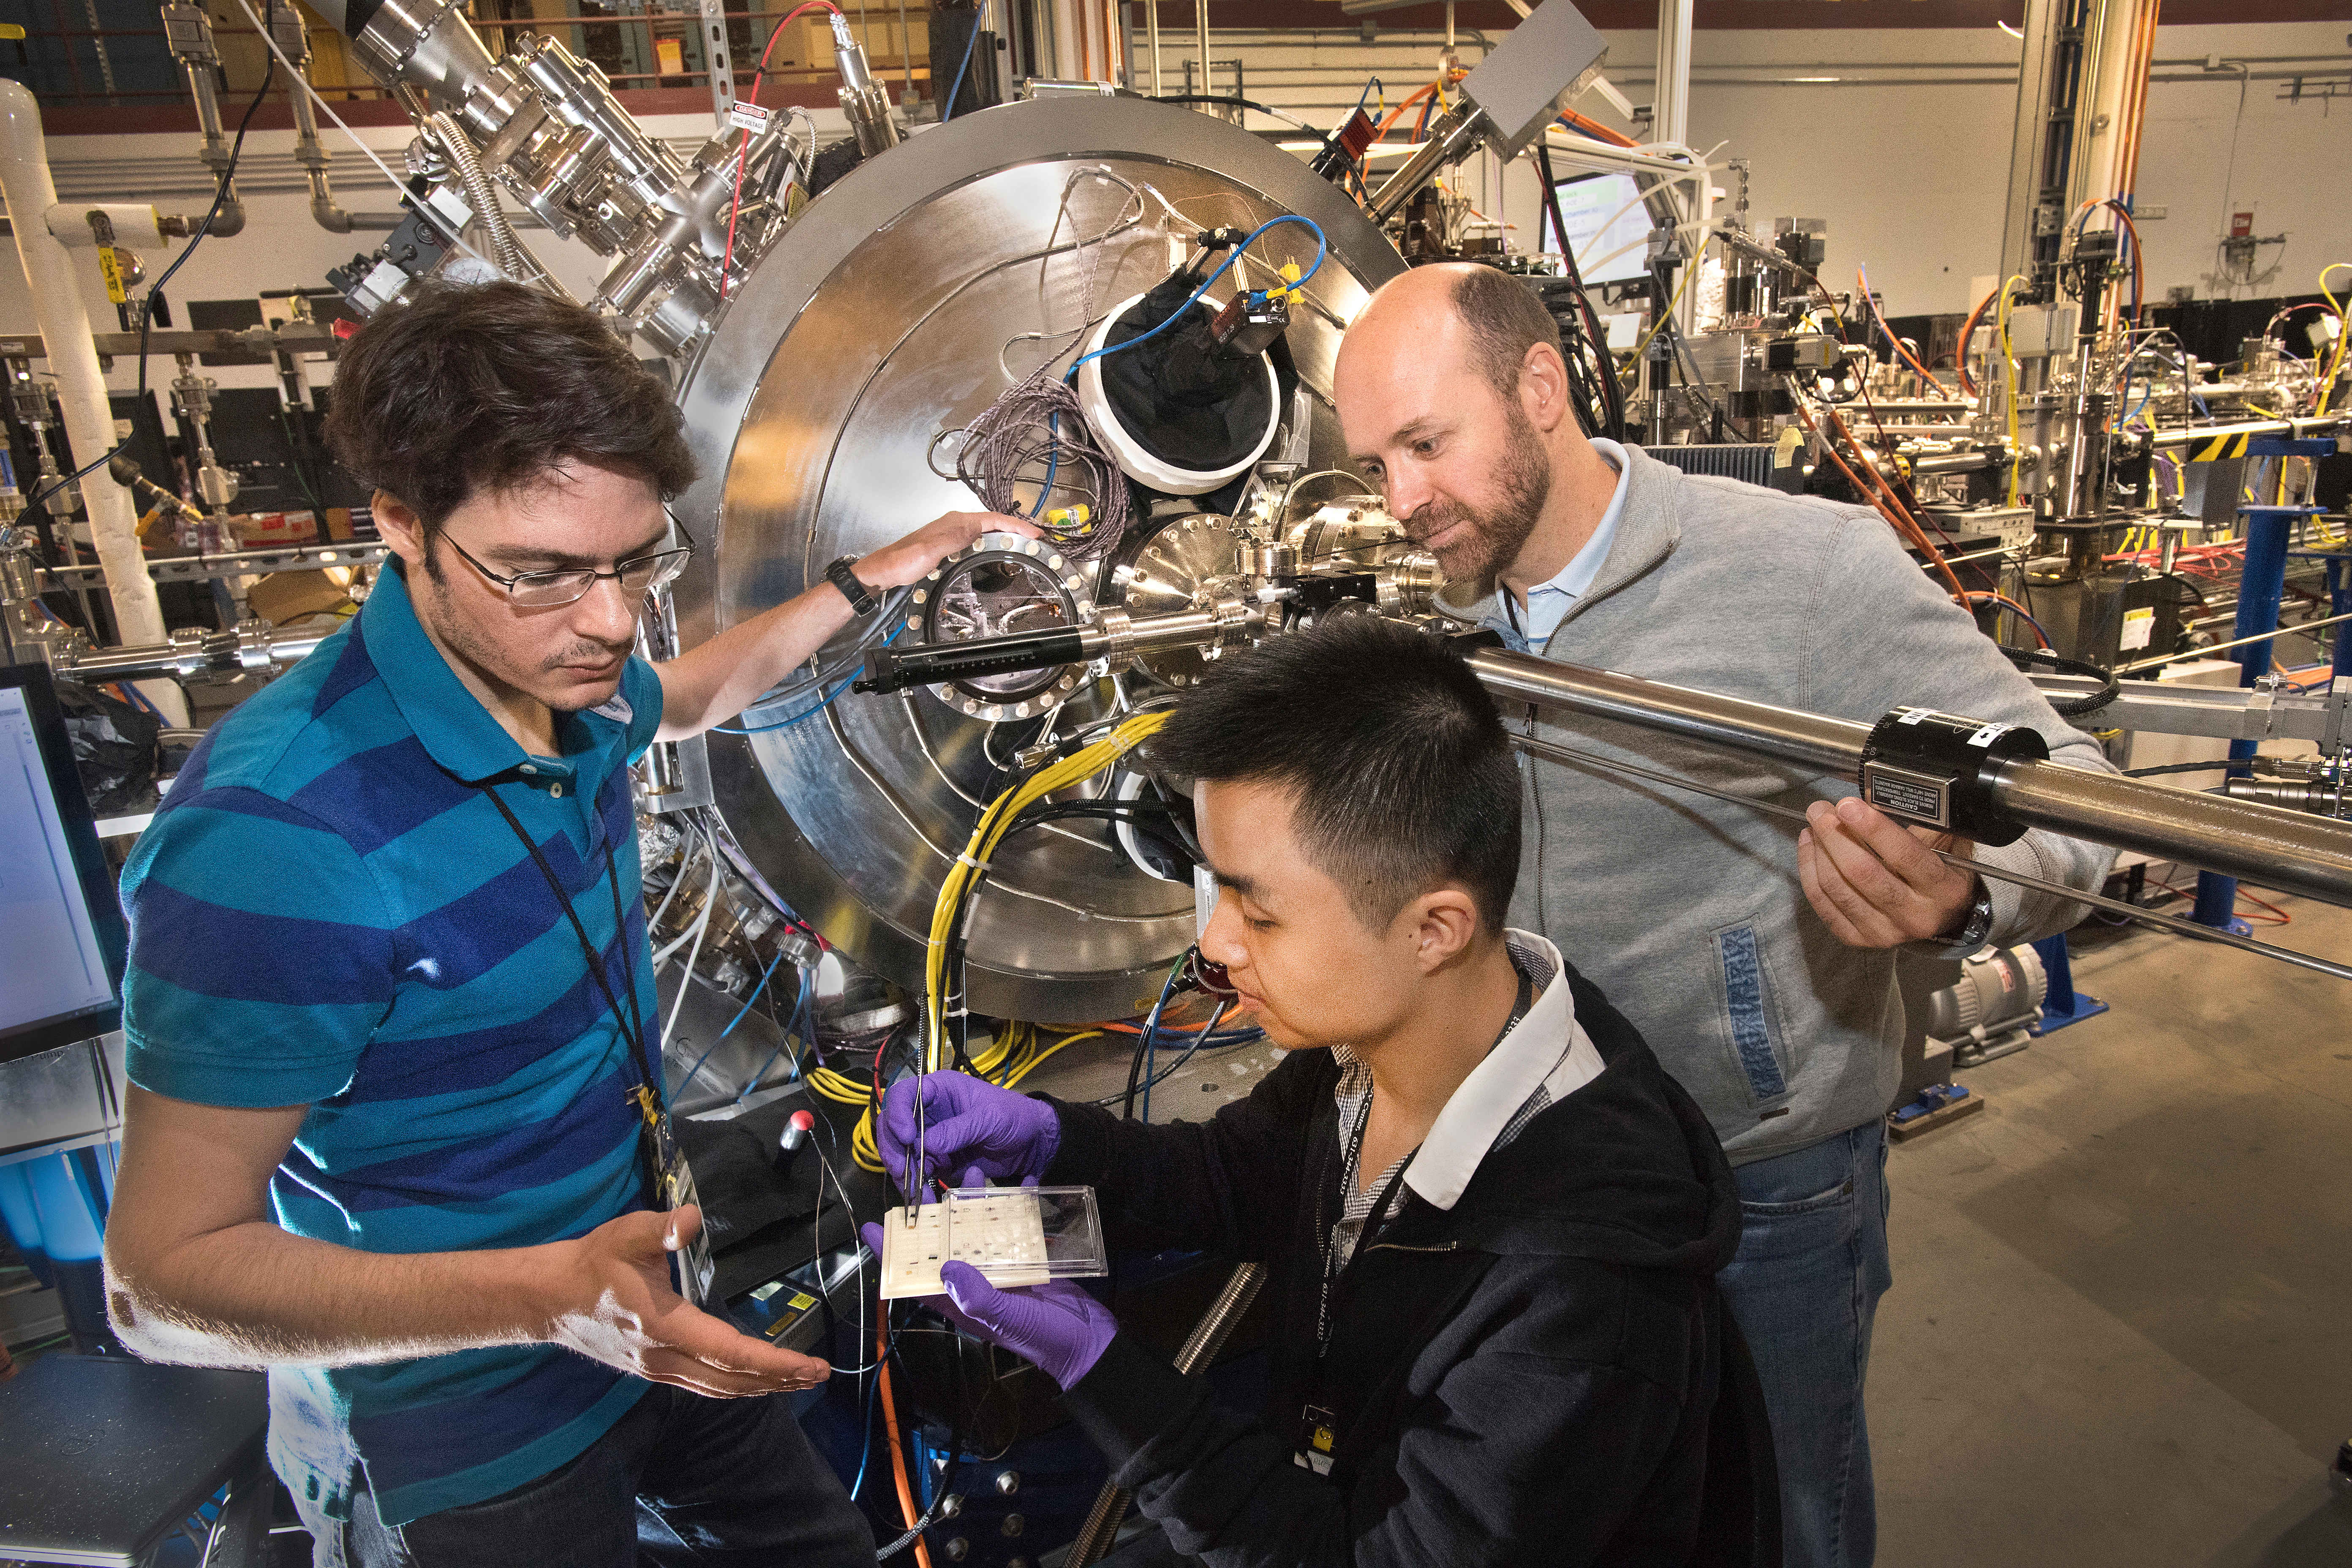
x,y
1549,601
1547,1050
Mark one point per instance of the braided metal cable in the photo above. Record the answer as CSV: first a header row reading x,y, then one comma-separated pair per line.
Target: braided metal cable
x,y
1036,434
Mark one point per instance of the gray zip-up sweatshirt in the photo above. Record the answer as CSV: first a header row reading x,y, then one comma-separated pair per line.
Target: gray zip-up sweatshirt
x,y
1686,910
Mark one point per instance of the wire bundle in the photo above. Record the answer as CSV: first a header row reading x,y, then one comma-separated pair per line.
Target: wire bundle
x,y
971,866
1038,424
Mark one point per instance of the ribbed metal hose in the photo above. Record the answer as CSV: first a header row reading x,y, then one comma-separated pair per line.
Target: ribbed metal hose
x,y
482,195
1200,1348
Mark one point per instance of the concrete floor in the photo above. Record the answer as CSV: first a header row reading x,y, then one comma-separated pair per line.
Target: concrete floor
x,y
2121,1326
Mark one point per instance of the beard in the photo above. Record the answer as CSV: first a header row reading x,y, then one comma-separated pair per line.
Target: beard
x,y
1496,533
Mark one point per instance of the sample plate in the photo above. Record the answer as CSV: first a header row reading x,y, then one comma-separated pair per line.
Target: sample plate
x,y
1003,1236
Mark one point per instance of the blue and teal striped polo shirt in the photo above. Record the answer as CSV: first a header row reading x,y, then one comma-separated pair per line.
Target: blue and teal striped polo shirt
x,y
327,910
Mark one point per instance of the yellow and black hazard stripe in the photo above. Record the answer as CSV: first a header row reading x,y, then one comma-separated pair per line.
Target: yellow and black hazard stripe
x,y
2215,448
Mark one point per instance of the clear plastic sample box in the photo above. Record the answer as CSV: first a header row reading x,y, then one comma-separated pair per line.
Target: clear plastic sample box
x,y
1014,1236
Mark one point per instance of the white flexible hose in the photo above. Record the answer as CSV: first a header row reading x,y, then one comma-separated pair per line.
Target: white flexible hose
x,y
695,931
686,977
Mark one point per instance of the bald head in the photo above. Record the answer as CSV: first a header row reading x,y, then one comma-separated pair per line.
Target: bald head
x,y
1452,394
1497,317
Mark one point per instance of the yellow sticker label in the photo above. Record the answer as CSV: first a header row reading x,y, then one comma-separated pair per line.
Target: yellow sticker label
x,y
112,272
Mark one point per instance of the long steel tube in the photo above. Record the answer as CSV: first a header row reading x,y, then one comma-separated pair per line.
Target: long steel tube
x,y
216,653
1809,739
2285,849
2189,434
2265,844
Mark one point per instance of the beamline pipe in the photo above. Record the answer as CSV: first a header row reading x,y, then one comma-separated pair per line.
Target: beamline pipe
x,y
2278,848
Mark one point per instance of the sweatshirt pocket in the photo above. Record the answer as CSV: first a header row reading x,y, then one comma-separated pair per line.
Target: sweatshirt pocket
x,y
1750,1012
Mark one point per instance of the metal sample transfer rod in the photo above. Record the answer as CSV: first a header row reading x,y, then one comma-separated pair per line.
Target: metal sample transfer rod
x,y
2290,850
2278,848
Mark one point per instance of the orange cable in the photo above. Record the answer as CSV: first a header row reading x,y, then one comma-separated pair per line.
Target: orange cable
x,y
1968,332
1861,282
890,1425
1892,511
1393,115
1908,524
1594,129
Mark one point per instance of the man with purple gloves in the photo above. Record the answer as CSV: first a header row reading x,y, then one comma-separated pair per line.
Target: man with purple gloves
x,y
1490,1224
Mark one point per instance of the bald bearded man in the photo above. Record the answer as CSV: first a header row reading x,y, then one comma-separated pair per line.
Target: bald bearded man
x,y
1758,959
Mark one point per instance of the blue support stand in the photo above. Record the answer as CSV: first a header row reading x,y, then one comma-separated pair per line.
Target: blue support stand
x,y
2063,1005
2269,531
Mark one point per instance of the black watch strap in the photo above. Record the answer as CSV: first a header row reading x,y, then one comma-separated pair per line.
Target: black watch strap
x,y
843,578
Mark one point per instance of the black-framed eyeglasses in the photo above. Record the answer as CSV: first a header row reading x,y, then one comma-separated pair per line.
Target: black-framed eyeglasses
x,y
638,575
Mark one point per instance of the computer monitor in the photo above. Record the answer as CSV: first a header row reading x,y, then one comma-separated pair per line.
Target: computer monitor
x,y
1603,214
61,932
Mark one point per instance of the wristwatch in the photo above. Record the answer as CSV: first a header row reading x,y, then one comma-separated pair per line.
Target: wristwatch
x,y
1978,926
843,578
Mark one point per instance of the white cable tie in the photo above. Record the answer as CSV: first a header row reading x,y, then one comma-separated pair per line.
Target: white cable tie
x,y
975,864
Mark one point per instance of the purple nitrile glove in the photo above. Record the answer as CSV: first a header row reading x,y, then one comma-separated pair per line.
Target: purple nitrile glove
x,y
1055,1325
971,1123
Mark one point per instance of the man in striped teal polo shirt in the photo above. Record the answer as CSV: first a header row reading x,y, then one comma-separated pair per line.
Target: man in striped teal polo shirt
x,y
381,1140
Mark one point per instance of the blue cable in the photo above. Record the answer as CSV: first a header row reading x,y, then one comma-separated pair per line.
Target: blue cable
x,y
1239,1038
806,712
797,1023
947,110
1053,428
866,1449
754,997
1185,309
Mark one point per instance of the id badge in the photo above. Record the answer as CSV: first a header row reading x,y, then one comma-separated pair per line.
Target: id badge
x,y
1315,1439
672,1183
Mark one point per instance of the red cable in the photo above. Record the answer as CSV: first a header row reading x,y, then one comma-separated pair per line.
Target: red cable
x,y
735,201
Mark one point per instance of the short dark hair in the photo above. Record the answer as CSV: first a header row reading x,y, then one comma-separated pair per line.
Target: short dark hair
x,y
488,387
1398,765
1505,319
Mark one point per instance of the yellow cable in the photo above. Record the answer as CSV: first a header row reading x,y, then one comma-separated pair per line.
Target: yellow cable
x,y
2343,332
994,822
1029,1067
2009,370
1667,314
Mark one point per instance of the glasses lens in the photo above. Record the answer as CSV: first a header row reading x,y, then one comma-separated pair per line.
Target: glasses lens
x,y
543,588
643,576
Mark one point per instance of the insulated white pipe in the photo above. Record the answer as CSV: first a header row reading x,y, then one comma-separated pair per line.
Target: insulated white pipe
x,y
81,387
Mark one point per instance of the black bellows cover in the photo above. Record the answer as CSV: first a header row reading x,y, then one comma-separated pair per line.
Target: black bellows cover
x,y
1174,399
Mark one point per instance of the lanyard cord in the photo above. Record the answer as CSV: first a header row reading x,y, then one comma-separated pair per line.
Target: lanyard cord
x,y
1335,1273
631,1026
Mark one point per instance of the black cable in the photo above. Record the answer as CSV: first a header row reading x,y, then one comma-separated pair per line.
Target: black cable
x,y
1136,811
2222,765
2111,685
147,306
1144,1040
1282,114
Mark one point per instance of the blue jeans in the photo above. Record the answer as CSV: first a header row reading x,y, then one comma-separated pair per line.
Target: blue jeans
x,y
1805,1285
679,1480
